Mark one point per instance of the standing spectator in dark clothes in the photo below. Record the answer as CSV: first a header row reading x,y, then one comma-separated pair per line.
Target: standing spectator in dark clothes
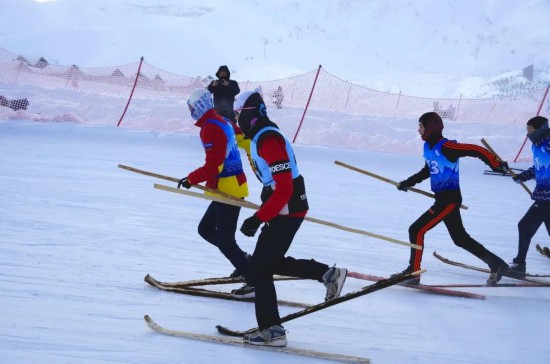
x,y
442,168
539,212
224,91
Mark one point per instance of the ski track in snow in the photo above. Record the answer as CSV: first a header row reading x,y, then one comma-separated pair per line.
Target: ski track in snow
x,y
79,235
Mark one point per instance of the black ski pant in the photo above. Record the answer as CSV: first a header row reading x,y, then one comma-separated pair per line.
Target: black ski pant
x,y
449,213
538,213
269,258
218,227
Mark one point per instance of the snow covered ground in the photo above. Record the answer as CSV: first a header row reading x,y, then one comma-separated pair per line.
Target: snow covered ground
x,y
79,234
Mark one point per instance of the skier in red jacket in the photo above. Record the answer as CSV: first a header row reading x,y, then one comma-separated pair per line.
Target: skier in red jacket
x,y
223,171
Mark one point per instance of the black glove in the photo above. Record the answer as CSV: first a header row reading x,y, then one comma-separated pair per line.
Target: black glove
x,y
502,168
184,182
251,225
403,186
517,179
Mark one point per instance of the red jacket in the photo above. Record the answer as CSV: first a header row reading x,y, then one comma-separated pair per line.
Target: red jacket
x,y
214,141
273,150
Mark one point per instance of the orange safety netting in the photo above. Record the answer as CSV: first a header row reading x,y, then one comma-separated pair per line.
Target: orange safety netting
x,y
338,114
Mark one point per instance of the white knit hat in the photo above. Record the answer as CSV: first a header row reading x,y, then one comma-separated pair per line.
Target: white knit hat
x,y
200,101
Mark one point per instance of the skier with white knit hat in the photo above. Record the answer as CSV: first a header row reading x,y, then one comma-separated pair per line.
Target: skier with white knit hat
x,y
222,170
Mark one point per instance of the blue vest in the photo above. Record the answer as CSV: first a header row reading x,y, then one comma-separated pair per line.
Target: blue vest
x,y
262,169
443,173
541,159
232,165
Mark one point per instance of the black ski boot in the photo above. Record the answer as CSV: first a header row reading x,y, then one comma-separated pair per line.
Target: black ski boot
x,y
415,281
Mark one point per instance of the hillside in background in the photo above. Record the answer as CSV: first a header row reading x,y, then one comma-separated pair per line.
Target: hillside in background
x,y
422,48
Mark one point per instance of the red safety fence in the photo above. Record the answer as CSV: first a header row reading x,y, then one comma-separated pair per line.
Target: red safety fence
x,y
315,108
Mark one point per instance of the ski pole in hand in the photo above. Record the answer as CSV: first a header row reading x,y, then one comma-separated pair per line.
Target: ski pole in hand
x,y
512,173
173,179
384,179
250,205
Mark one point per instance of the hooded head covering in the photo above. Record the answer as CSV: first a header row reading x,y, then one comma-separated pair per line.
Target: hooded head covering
x,y
223,68
537,121
251,110
199,102
433,125
540,124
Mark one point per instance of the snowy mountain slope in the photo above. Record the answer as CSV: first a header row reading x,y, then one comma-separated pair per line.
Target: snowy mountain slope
x,y
422,48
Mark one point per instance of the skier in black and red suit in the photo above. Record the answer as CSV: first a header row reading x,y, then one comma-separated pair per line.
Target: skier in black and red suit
x,y
442,167
284,206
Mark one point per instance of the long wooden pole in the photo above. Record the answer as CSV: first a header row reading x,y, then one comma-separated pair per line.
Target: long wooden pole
x,y
388,180
227,198
172,179
509,169
246,204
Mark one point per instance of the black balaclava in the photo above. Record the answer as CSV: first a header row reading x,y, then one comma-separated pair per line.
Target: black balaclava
x,y
252,120
540,124
433,126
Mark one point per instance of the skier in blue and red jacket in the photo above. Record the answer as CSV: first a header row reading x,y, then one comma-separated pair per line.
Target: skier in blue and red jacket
x,y
442,167
222,171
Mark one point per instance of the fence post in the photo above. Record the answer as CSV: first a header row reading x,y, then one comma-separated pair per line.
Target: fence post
x,y
397,104
19,66
307,104
347,97
131,93
458,107
538,113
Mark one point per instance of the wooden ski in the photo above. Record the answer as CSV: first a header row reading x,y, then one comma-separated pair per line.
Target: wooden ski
x,y
216,339
527,277
364,291
214,294
422,287
211,281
